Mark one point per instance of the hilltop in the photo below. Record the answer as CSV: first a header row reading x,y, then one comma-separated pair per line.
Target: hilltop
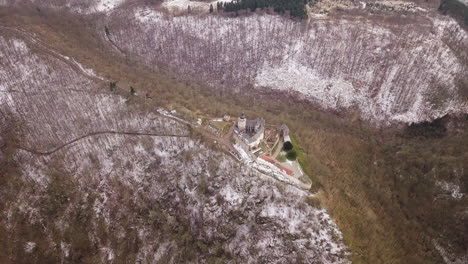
x,y
374,92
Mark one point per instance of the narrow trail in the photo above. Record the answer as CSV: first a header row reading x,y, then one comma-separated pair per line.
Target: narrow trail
x,y
47,153
88,73
107,37
114,45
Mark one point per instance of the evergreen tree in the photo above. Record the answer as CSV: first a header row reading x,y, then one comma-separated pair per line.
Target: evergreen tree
x,y
106,29
287,146
132,90
211,8
291,155
113,86
295,8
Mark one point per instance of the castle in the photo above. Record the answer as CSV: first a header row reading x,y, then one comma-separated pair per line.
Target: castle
x,y
249,132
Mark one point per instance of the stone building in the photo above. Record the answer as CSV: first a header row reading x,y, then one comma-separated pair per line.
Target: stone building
x,y
249,132
284,130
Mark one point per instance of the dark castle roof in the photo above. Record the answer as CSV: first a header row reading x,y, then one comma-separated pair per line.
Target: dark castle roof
x,y
284,129
254,129
255,123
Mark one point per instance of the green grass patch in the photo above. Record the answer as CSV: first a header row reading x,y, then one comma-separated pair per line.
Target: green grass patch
x,y
301,155
291,155
220,125
281,158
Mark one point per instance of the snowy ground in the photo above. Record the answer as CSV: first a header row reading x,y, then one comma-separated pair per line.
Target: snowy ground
x,y
107,5
148,176
82,6
125,164
382,71
181,6
451,188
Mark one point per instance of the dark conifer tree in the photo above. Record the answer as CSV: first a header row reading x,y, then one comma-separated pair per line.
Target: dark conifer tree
x,y
295,8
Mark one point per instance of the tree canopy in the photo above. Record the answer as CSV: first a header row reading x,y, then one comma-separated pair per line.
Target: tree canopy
x,y
291,155
287,146
296,8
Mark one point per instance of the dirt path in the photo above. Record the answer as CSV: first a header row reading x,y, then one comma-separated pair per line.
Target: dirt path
x,y
114,45
278,149
46,153
226,140
88,73
223,141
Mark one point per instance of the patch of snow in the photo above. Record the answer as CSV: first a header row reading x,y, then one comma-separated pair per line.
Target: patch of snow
x,y
65,247
20,45
447,257
161,250
108,252
86,71
451,188
147,15
177,6
230,195
107,5
243,155
329,92
29,247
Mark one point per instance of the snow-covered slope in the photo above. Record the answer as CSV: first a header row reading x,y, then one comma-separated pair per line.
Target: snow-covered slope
x,y
394,67
390,71
103,179
82,6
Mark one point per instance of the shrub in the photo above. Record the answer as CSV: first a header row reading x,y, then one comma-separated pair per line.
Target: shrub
x,y
314,202
287,146
426,129
291,155
281,158
113,86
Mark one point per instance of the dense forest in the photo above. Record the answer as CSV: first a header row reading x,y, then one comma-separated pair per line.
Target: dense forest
x,y
456,8
295,8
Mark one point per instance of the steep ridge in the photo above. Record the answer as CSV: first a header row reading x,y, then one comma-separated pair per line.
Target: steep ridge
x,y
390,71
377,185
103,179
388,66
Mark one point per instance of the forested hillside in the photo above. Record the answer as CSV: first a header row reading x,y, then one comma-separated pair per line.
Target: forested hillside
x,y
374,66
456,8
90,171
92,174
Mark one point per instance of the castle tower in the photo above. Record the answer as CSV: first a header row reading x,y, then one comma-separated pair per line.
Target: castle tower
x,y
241,122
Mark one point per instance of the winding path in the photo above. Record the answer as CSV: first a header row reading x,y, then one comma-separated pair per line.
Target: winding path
x,y
88,73
46,153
